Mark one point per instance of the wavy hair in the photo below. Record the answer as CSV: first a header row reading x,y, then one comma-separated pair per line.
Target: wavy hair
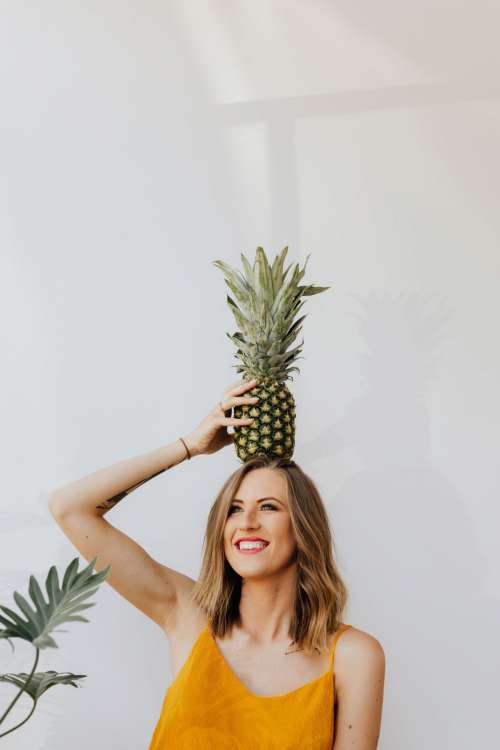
x,y
320,595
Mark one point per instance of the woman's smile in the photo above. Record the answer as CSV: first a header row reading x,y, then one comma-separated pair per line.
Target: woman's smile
x,y
251,548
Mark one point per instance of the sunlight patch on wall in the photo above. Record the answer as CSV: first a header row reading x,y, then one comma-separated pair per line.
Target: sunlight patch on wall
x,y
259,51
216,50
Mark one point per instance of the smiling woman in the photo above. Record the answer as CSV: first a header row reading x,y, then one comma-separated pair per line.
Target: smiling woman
x,y
253,640
269,588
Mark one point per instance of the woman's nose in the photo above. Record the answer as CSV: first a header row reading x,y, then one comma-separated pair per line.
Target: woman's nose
x,y
249,519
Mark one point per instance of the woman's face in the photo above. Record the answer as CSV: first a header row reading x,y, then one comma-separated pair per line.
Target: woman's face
x,y
260,509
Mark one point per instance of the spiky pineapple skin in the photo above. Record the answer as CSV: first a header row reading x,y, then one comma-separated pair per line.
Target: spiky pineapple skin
x,y
273,431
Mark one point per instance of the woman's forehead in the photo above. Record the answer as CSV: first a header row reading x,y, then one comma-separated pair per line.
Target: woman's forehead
x,y
262,483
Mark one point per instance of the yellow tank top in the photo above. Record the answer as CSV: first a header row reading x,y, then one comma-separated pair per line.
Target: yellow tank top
x,y
207,707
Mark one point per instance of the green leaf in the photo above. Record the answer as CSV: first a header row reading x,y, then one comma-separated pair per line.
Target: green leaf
x,y
62,605
248,270
286,292
293,328
291,355
41,681
311,289
277,269
236,281
241,320
69,574
232,274
242,297
265,275
22,625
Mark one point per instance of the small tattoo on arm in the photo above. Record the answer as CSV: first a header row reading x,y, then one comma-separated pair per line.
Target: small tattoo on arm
x,y
112,501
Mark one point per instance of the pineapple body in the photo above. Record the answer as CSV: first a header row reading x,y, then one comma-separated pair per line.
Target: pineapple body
x,y
273,431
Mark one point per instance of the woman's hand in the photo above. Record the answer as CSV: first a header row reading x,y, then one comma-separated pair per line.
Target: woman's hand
x,y
211,434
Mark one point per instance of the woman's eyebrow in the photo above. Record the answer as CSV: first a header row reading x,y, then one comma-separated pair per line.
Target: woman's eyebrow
x,y
237,500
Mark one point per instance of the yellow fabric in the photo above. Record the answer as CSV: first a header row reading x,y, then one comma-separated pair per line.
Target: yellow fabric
x,y
207,707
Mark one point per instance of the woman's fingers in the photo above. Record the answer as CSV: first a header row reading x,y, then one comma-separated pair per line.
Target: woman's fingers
x,y
237,400
232,422
239,387
240,383
231,399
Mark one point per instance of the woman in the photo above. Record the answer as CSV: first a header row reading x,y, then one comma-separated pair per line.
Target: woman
x,y
254,640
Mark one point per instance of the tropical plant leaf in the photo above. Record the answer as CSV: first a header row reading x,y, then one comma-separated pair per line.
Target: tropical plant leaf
x,y
63,603
41,681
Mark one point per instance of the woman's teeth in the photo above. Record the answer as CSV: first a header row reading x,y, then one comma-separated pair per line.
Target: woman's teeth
x,y
251,546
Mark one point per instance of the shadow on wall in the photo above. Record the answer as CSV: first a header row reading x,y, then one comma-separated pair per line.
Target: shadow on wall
x,y
428,570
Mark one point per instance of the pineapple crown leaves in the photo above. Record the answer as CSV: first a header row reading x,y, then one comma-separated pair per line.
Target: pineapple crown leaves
x,y
63,602
40,681
268,304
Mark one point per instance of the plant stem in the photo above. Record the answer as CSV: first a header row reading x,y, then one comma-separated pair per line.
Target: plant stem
x,y
9,707
21,723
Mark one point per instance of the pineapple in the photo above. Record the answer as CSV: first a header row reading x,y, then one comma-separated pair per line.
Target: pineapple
x,y
268,306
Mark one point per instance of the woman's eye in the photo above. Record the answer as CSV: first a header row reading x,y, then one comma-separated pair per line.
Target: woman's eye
x,y
264,505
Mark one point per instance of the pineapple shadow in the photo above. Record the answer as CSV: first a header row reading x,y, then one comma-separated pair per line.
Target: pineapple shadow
x,y
414,539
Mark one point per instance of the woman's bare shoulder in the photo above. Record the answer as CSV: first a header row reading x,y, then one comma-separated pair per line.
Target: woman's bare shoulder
x,y
358,656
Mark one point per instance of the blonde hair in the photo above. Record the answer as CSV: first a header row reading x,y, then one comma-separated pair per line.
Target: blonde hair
x,y
321,594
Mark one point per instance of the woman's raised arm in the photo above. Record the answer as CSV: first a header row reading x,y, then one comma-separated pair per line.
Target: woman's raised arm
x,y
79,507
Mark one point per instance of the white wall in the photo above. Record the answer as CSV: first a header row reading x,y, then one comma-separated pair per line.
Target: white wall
x,y
141,141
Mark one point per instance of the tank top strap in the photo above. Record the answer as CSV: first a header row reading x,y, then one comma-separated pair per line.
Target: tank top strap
x,y
339,632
